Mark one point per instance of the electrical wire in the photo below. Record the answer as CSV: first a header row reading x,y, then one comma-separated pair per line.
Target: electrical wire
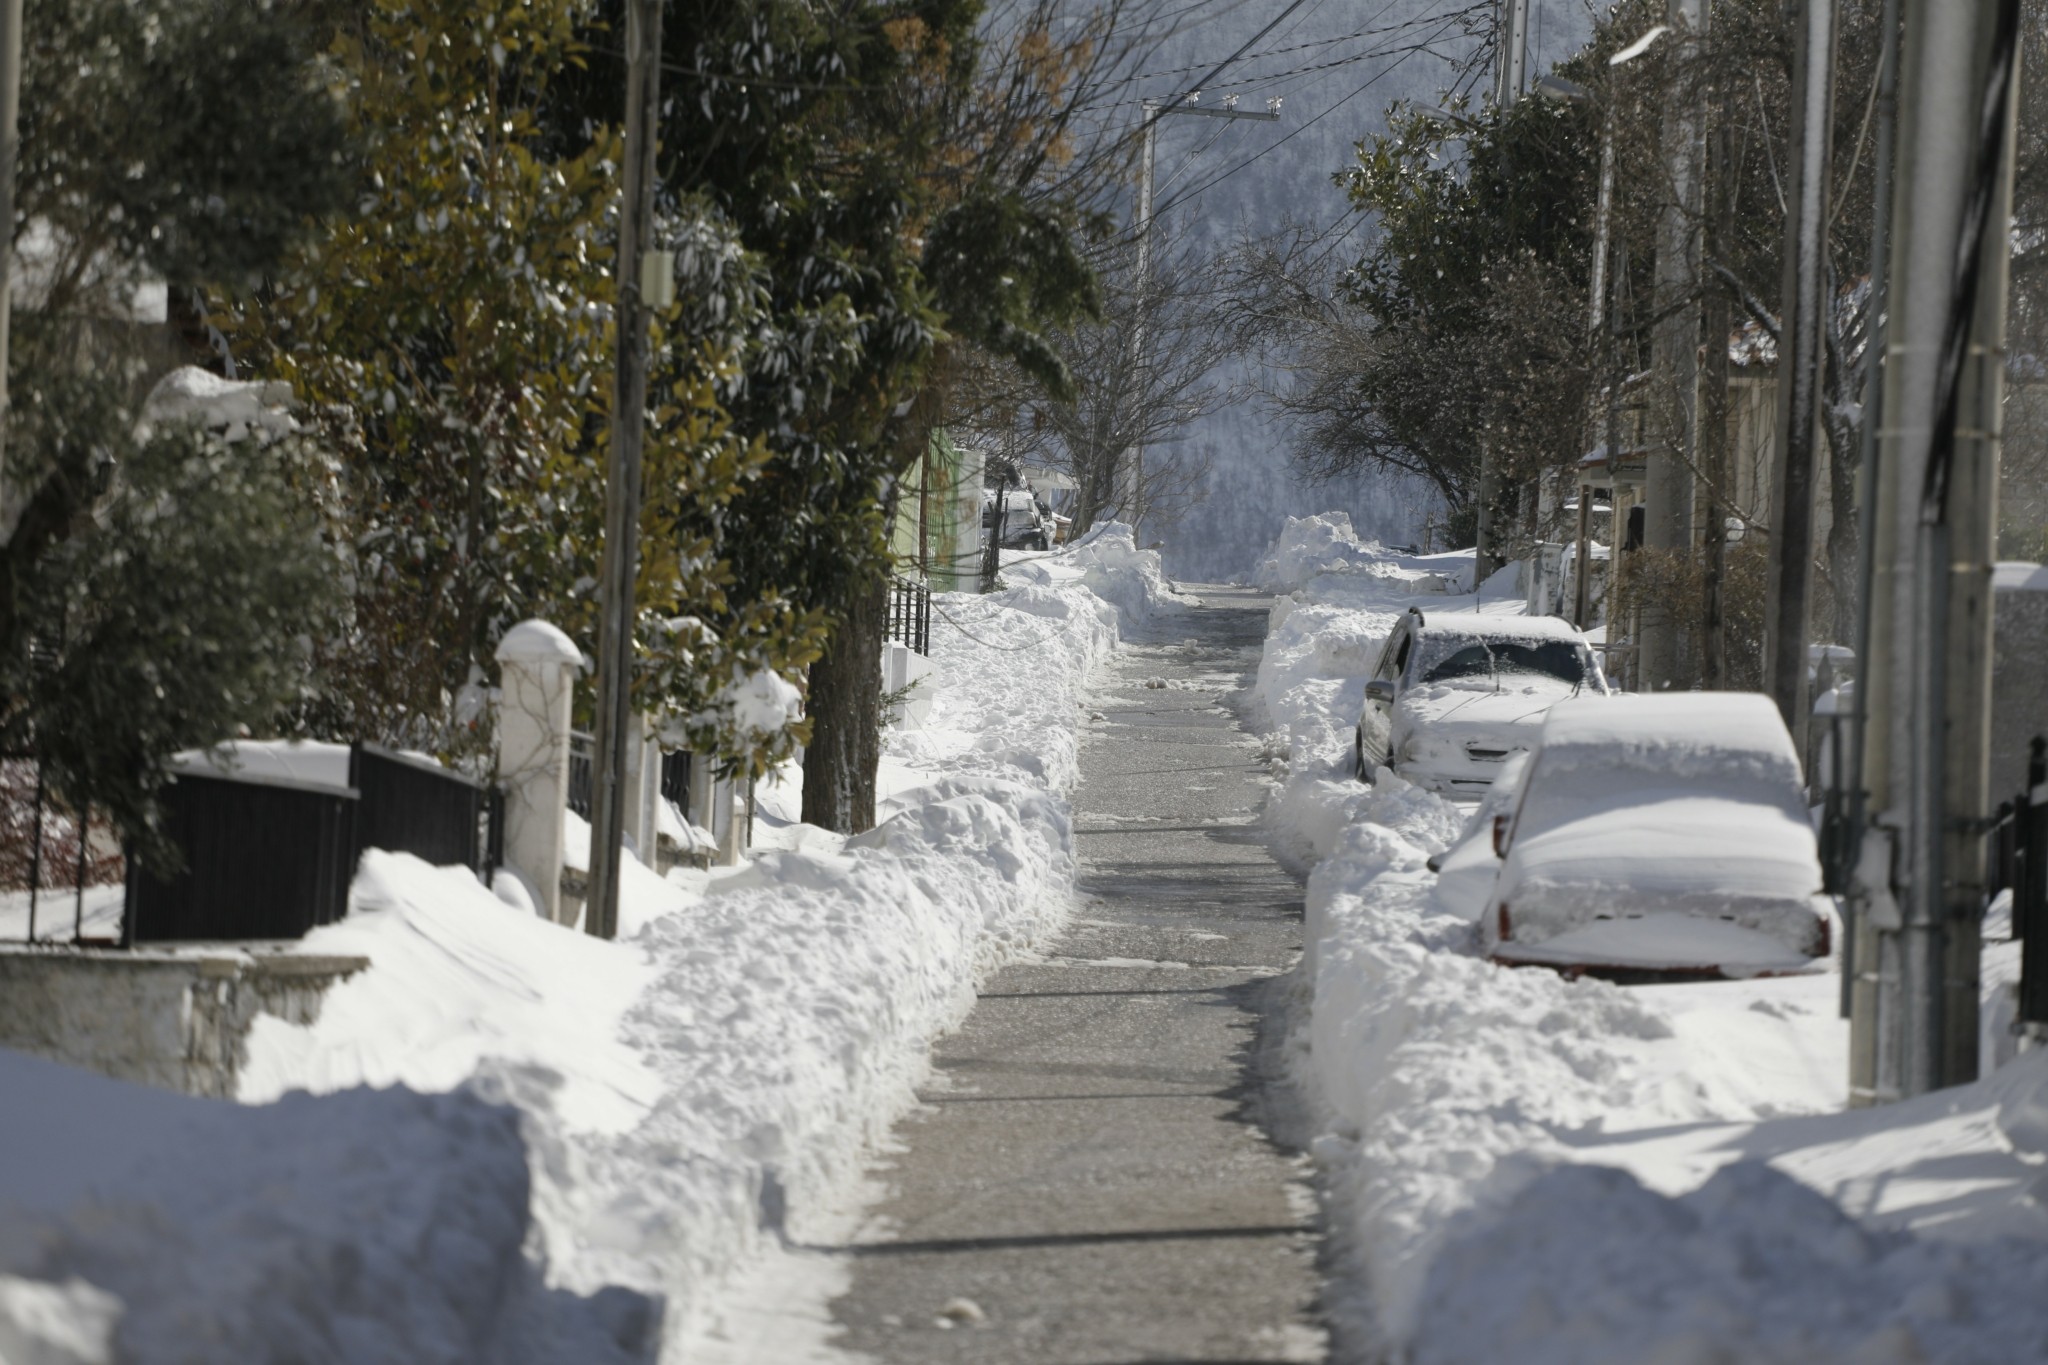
x,y
1293,133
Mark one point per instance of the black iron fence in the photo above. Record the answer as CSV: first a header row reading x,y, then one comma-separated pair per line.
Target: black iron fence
x,y
582,750
2018,861
675,779
271,858
414,805
264,858
910,615
52,856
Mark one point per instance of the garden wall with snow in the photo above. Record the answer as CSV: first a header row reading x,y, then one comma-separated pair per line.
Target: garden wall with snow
x,y
1519,1167
508,1141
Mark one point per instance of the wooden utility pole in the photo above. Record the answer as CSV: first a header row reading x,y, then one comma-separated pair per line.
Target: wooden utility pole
x,y
1668,482
638,269
1802,351
11,498
1918,887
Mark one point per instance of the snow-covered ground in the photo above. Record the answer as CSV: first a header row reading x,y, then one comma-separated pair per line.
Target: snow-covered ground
x,y
1521,1168
508,1141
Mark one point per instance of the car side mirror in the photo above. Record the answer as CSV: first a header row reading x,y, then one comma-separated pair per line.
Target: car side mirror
x,y
1500,836
1380,690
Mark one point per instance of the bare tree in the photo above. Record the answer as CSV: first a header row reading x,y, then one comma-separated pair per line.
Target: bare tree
x,y
1142,374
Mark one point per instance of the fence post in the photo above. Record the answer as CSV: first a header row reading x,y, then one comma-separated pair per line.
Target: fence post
x,y
538,664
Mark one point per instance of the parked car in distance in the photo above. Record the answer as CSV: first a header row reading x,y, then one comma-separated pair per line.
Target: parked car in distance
x,y
1660,836
1455,693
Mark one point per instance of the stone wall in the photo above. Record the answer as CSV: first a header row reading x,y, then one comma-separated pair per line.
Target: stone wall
x,y
175,1020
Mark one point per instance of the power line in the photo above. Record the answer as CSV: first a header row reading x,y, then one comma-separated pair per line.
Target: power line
x,y
1293,133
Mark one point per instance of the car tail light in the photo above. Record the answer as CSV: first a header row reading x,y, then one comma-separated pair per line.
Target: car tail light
x,y
1500,836
1823,938
1502,923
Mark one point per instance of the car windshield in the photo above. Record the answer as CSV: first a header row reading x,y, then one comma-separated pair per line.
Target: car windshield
x,y
1560,659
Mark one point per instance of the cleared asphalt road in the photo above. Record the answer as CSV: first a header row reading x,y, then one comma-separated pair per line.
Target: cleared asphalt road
x,y
1089,1182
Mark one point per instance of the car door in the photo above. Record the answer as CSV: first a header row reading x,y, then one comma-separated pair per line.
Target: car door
x,y
1382,689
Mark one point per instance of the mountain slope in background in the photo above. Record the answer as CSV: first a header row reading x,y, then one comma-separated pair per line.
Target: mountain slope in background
x,y
1336,67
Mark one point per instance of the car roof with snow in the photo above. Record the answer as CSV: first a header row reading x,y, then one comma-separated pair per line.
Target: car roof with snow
x,y
1484,627
1683,734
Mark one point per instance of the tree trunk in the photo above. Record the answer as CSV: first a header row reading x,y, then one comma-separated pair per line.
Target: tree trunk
x,y
846,717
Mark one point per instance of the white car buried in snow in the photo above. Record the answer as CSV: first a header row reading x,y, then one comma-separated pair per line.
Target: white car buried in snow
x,y
1455,693
1660,836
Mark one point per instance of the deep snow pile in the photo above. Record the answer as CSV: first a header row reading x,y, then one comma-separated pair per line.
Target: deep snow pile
x,y
1324,545
626,1123
1108,562
1523,1168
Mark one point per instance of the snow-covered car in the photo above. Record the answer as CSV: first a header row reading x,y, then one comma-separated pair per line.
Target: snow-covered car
x,y
1465,871
1660,836
1455,693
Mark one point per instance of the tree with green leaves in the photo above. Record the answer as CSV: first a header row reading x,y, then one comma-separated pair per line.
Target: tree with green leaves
x,y
453,338
158,583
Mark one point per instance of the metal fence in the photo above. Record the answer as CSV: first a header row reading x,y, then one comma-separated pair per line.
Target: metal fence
x,y
416,806
52,857
582,750
910,615
2018,861
264,858
675,779
271,858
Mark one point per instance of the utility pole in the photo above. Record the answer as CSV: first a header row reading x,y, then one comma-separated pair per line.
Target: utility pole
x,y
1570,92
1802,350
1861,958
640,273
1918,881
1510,77
1154,110
1507,90
11,498
1668,483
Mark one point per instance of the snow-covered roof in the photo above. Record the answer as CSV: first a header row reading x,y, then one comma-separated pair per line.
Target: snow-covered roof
x,y
1683,734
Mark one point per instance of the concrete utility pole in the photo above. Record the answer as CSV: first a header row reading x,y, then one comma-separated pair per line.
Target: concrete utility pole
x,y
640,272
1668,481
1859,955
1508,81
1802,350
1919,884
10,155
1154,110
1570,92
1510,76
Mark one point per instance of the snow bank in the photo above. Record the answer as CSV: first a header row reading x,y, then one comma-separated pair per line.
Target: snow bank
x,y
1318,553
375,1225
1520,1167
1108,562
509,1141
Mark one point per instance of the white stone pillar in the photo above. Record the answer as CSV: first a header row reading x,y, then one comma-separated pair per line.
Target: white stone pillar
x,y
538,666
636,812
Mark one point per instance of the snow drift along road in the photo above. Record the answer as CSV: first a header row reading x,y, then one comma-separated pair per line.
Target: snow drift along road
x,y
523,1144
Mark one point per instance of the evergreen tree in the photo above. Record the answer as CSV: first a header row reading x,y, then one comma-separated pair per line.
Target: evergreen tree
x,y
157,584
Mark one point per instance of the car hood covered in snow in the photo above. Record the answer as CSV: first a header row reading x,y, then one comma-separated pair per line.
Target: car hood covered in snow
x,y
1455,736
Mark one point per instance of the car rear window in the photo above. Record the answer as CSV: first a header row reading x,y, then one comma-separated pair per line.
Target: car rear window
x,y
1560,659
